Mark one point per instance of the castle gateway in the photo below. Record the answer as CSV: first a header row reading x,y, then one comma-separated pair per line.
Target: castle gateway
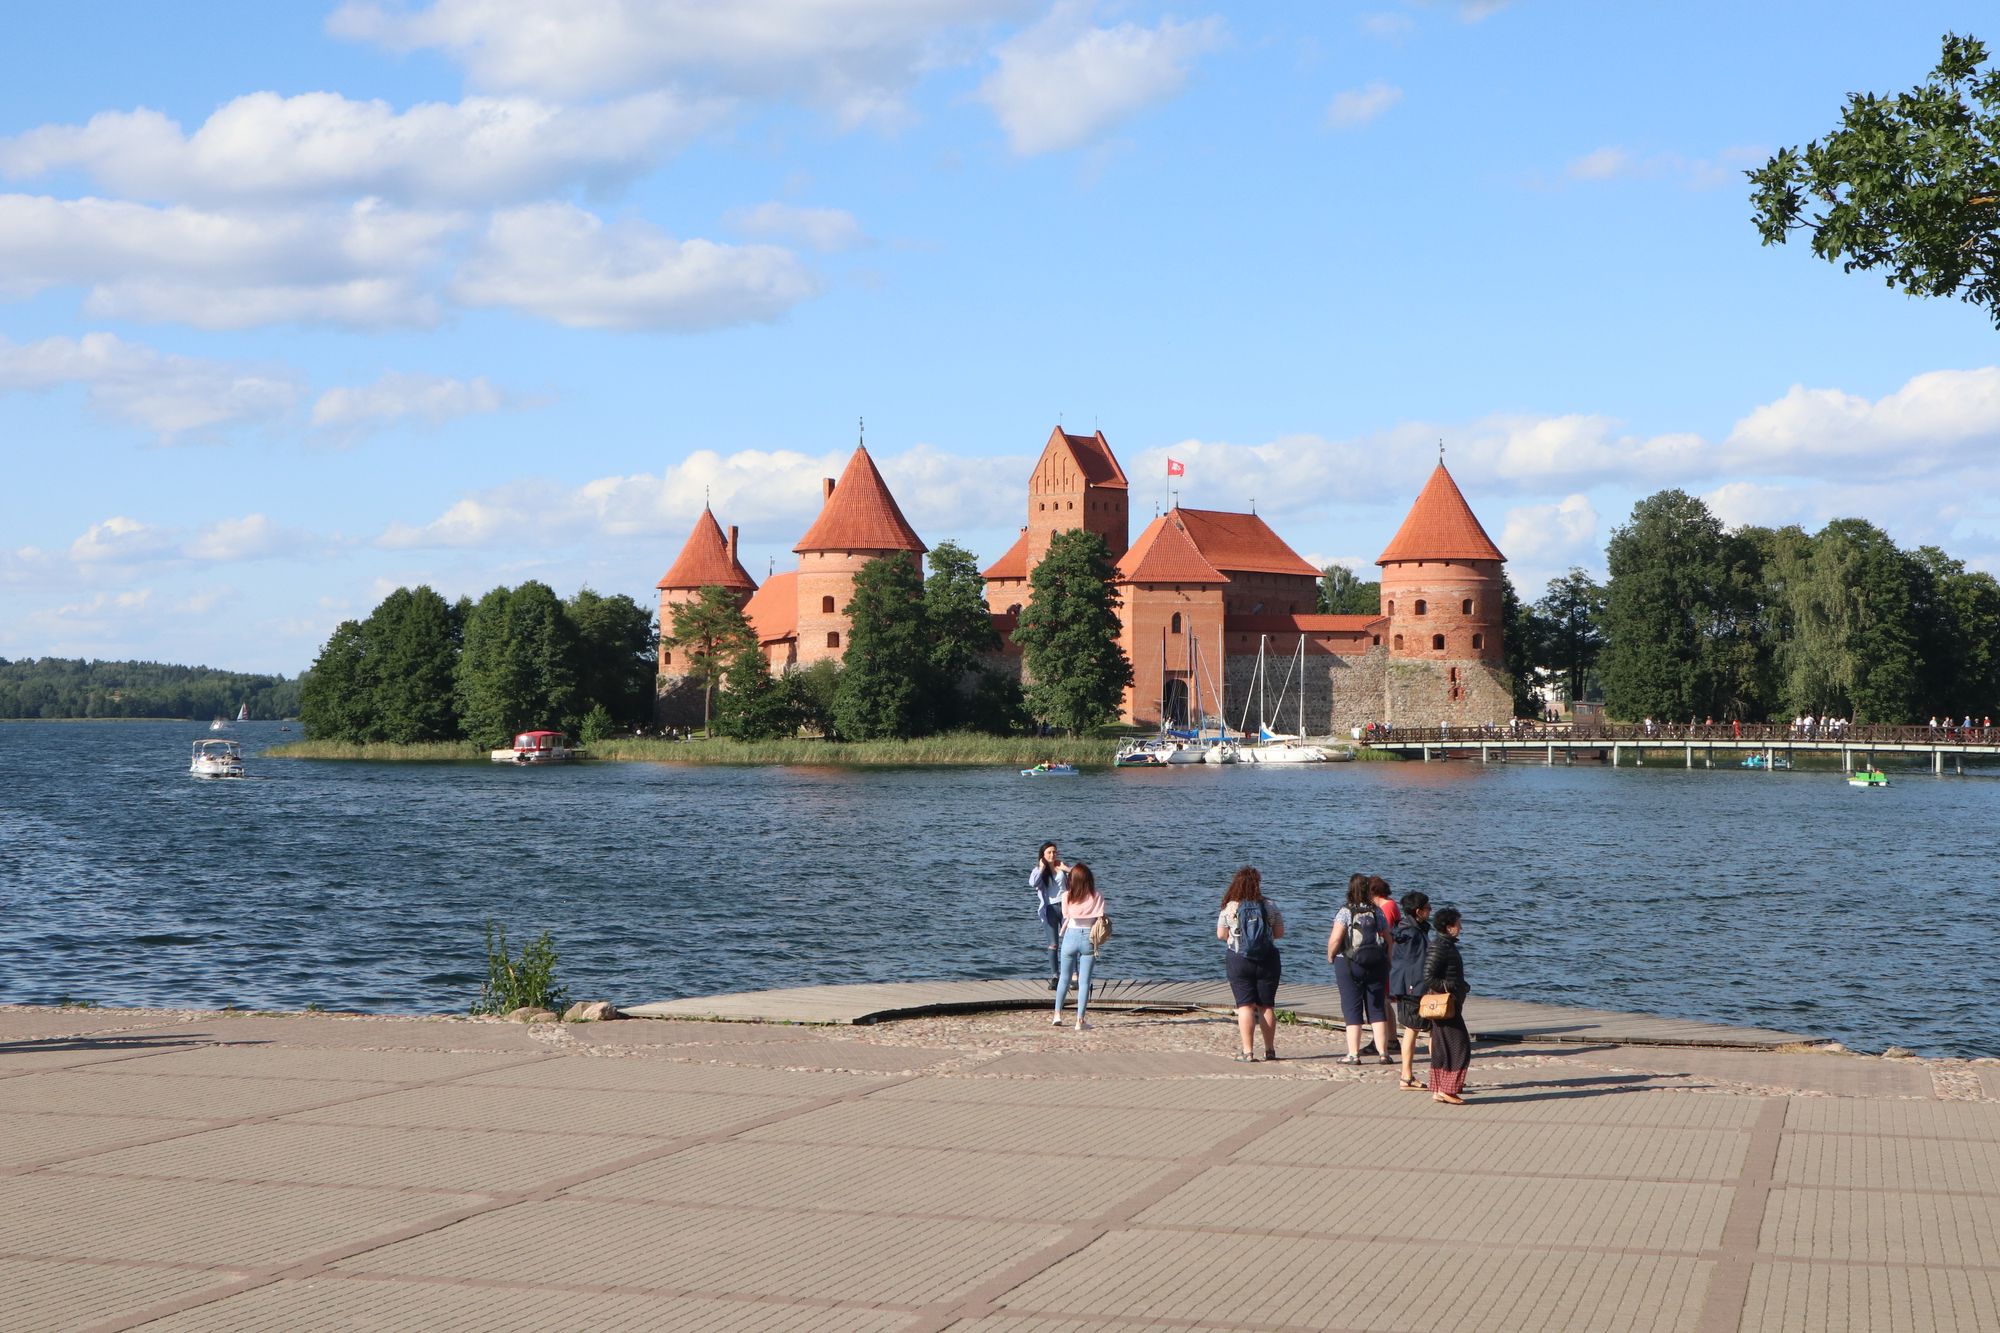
x,y
1201,591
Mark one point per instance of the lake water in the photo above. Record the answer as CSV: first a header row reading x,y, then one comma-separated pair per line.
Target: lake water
x,y
1786,899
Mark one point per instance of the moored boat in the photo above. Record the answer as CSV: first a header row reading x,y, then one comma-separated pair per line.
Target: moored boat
x,y
1050,771
537,747
1868,777
217,759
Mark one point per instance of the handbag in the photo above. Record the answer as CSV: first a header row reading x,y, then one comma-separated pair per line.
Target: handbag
x,y
1438,1004
1100,931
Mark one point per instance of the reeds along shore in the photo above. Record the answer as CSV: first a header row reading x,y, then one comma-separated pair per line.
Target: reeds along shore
x,y
955,748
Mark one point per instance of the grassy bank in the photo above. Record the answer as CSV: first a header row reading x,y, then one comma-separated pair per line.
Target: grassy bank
x,y
422,752
957,748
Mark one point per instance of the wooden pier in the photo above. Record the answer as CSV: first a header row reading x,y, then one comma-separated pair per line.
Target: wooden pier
x,y
1701,745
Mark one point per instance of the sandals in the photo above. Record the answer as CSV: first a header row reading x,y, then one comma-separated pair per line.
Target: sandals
x,y
1410,1085
1350,1059
1244,1057
1447,1099
1270,1055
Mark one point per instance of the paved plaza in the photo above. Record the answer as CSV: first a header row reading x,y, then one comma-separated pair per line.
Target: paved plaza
x,y
984,1173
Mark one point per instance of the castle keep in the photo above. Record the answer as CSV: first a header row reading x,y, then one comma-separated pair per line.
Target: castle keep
x,y
1200,592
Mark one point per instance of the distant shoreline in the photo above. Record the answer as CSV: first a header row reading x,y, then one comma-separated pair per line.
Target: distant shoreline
x,y
955,750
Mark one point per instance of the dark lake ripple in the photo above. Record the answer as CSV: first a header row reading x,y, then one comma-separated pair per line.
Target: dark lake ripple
x,y
1783,899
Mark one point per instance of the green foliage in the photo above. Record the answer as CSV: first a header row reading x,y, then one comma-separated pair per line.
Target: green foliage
x,y
709,633
1069,635
1959,619
887,676
337,696
1571,612
1342,593
410,645
64,687
996,704
526,982
596,725
813,693
1853,646
961,633
480,687
1524,638
755,705
1668,611
518,667
957,748
616,655
1909,184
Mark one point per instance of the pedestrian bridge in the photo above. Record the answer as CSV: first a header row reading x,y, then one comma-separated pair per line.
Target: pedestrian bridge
x,y
1704,745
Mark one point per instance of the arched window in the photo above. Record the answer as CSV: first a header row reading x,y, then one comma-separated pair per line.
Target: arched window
x,y
826,606
1072,504
1014,609
1175,627
667,657
1478,642
1399,641
1437,642
1423,607
833,638
1378,641
1392,606
1465,607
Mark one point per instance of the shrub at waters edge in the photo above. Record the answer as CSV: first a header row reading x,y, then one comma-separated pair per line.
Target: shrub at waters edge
x,y
527,982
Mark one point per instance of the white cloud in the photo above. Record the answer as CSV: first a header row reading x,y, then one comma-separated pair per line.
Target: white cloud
x,y
1614,162
251,537
356,265
561,263
1062,83
120,541
826,230
1357,106
171,396
266,147
1935,420
429,399
1550,534
856,57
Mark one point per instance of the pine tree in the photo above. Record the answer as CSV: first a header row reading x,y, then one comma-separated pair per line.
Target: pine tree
x,y
961,631
410,633
1572,614
482,687
337,696
754,704
887,675
616,654
1069,635
709,633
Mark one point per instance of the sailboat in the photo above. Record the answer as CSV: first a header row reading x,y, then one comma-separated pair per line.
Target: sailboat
x,y
1275,747
243,711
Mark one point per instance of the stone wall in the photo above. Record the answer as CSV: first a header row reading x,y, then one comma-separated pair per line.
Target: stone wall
x,y
1421,694
1341,693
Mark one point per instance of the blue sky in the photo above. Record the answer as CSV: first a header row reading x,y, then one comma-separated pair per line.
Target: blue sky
x,y
301,303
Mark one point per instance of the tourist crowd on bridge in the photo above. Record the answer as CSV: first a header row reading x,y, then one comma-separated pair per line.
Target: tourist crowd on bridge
x,y
1396,963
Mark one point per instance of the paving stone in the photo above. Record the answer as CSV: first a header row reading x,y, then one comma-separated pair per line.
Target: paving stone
x,y
1041,1323
652,1033
1858,1298
244,1060
1114,1064
804,1176
19,1023
1869,1162
81,1092
553,1110
45,1294
1250,1093
1460,1136
713,1251
1124,1133
23,1057
371,1303
384,1158
1255,1280
658,1073
1869,1227
60,1215
1618,1105
371,1032
1829,1072
1989,1078
829,1053
37,1138
1930,1120
1486,1209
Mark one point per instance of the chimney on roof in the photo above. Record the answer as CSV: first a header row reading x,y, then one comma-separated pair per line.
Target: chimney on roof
x,y
732,543
825,489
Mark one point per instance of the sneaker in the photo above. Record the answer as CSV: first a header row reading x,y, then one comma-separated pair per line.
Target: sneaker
x,y
1052,983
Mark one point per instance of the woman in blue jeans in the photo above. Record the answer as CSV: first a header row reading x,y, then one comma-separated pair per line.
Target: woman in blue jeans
x,y
1082,905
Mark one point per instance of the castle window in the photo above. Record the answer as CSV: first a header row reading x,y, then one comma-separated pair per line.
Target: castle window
x,y
1478,642
1072,504
667,657
1437,642
1392,606
1399,641
1014,609
826,606
833,638
1454,675
1175,627
1465,607
1423,607
1378,641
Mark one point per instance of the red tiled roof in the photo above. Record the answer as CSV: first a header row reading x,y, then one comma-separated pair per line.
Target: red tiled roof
x,y
1242,542
704,561
1305,624
861,515
1164,553
1013,565
1440,526
773,610
1093,458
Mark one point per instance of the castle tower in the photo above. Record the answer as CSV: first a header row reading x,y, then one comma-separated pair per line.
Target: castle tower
x,y
859,522
1077,483
1442,594
707,559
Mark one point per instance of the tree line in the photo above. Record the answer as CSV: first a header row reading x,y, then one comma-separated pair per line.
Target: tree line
x,y
918,654
71,687
419,668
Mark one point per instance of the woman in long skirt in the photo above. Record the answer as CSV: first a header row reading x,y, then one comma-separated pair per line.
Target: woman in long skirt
x,y
1451,1043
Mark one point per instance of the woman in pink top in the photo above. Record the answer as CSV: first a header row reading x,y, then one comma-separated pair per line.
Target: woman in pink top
x,y
1081,906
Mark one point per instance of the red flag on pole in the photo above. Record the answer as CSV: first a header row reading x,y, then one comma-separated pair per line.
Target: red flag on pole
x,y
1176,469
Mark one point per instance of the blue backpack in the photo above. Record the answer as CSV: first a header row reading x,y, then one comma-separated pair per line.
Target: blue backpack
x,y
1253,931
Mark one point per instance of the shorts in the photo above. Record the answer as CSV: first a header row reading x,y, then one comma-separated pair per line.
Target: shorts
x,y
1407,1015
1364,991
1254,981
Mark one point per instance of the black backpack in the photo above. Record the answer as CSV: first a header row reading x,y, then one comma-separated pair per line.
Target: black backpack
x,y
1363,945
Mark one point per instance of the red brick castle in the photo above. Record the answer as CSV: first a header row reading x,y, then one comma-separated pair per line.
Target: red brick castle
x,y
1200,590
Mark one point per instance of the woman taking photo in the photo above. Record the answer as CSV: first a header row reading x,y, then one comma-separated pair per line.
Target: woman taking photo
x,y
1451,1043
1082,905
1046,879
1250,924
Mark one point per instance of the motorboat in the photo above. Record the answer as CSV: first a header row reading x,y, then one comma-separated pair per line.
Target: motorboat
x,y
1868,777
217,759
1050,771
220,724
1141,754
1286,752
1757,761
537,747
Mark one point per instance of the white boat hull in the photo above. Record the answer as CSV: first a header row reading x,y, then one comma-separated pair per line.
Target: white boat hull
x,y
215,769
546,756
1284,754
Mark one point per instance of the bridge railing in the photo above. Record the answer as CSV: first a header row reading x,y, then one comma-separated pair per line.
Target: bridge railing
x,y
1700,733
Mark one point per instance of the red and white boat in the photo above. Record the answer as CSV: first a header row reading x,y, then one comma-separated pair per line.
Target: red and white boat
x,y
537,747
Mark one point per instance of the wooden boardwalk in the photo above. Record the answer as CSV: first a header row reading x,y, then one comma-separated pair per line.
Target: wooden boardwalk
x,y
1489,1018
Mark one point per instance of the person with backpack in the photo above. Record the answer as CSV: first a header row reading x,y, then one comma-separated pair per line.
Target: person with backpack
x,y
1409,945
1082,906
1251,925
1358,948
1047,879
1385,907
1451,1041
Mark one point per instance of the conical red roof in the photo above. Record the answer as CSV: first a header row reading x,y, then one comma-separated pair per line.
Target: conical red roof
x,y
705,561
861,515
1165,553
1440,526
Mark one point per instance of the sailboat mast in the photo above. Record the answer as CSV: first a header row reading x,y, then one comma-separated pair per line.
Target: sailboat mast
x,y
1302,688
